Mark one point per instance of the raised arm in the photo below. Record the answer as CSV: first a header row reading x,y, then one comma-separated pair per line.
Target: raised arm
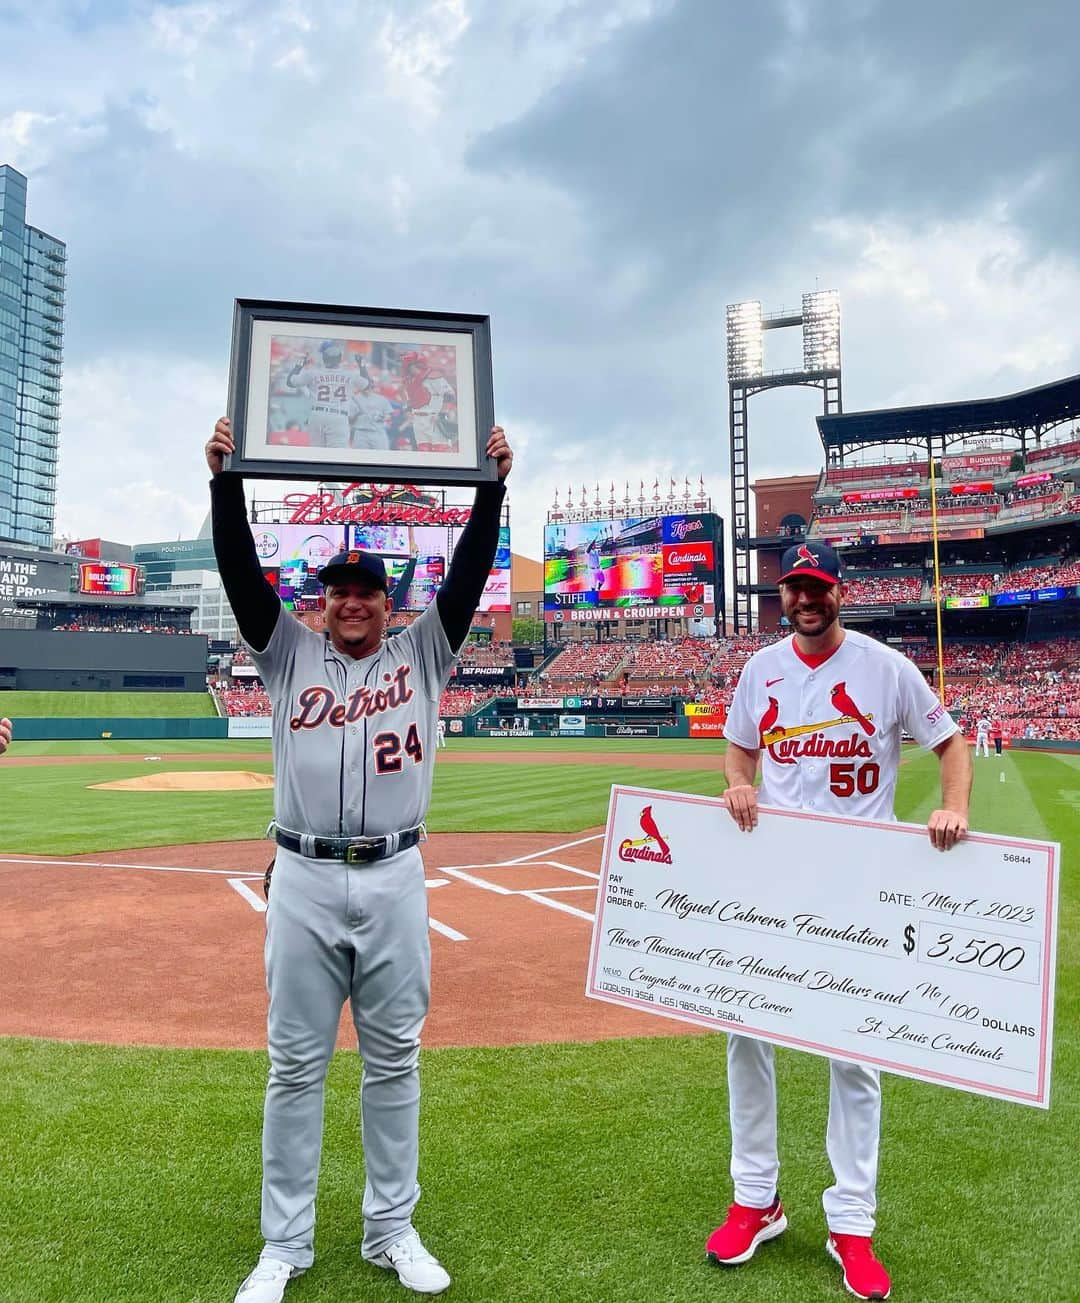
x,y
254,602
471,563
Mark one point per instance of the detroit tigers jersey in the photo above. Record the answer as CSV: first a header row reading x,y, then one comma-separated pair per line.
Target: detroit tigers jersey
x,y
329,390
830,735
354,740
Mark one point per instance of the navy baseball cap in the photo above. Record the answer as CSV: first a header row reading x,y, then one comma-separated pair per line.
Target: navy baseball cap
x,y
355,567
816,560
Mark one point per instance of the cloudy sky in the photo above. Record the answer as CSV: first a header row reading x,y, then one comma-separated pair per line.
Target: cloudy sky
x,y
601,176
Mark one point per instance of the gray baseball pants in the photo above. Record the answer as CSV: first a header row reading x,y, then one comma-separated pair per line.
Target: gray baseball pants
x,y
336,932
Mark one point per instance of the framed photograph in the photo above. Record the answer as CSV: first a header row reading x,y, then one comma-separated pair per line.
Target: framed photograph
x,y
370,394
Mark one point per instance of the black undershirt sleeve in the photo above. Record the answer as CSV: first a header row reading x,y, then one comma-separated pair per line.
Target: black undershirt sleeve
x,y
401,588
470,565
252,597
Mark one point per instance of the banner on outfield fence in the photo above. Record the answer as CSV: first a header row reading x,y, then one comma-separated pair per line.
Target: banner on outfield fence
x,y
250,726
713,727
631,730
539,703
572,723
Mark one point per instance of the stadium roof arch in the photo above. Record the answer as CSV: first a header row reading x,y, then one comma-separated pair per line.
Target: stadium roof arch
x,y
1029,413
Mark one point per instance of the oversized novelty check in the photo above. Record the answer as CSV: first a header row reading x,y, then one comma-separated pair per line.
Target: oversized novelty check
x,y
845,938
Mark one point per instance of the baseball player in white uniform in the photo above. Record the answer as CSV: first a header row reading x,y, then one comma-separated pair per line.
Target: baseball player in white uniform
x,y
440,733
331,388
982,736
426,395
354,728
823,684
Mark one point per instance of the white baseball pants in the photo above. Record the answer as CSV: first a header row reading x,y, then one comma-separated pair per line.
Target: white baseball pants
x,y
981,740
851,1139
335,932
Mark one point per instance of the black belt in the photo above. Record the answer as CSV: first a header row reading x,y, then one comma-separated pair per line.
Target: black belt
x,y
347,850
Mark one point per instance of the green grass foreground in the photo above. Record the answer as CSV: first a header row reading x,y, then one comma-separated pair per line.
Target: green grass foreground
x,y
569,1174
107,705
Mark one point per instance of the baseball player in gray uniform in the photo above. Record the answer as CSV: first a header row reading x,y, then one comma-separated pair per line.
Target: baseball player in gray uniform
x,y
824,692
331,388
369,417
354,724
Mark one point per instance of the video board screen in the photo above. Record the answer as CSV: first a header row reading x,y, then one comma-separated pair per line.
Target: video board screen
x,y
297,553
434,546
639,567
108,579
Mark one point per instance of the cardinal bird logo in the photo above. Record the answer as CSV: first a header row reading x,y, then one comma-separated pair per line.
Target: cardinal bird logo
x,y
804,557
652,847
768,721
841,699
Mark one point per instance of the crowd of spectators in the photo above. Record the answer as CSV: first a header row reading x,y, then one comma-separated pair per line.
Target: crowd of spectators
x,y
966,584
679,659
243,699
460,701
100,623
496,655
1032,687
1029,702
585,661
868,590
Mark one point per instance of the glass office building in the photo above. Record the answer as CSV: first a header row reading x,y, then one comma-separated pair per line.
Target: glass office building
x,y
32,270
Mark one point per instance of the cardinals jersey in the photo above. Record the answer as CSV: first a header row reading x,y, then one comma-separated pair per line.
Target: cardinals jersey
x,y
354,740
830,735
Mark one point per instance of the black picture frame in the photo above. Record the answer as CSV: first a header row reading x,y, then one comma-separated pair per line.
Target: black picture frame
x,y
302,411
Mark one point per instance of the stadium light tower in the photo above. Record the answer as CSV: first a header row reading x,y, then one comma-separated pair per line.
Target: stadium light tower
x,y
819,319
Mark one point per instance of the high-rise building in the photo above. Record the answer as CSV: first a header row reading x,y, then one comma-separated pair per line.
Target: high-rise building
x,y
32,270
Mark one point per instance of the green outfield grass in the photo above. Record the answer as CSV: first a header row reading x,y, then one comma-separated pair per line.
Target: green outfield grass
x,y
575,1174
107,705
568,1174
541,797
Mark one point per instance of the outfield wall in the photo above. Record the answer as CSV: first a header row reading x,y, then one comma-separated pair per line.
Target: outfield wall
x,y
56,729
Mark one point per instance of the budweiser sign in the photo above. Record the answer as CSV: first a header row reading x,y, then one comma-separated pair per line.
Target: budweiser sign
x,y
380,506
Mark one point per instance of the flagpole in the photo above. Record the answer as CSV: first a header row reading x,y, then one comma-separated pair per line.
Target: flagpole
x,y
937,580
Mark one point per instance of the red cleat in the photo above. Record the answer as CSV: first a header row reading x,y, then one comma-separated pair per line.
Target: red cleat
x,y
743,1230
864,1276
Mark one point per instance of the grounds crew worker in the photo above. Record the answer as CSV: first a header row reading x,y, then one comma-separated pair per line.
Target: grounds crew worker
x,y
354,718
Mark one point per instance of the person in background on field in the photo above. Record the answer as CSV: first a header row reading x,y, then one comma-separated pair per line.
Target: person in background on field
x,y
982,737
995,733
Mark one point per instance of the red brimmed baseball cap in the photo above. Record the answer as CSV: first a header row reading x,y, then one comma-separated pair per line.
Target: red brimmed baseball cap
x,y
813,561
355,567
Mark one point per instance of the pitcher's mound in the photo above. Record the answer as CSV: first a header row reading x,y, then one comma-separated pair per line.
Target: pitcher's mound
x,y
196,780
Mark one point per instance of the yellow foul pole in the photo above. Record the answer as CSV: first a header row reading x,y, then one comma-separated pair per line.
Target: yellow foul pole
x,y
937,580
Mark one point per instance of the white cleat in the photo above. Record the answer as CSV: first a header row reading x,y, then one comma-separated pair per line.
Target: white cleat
x,y
417,1269
267,1282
